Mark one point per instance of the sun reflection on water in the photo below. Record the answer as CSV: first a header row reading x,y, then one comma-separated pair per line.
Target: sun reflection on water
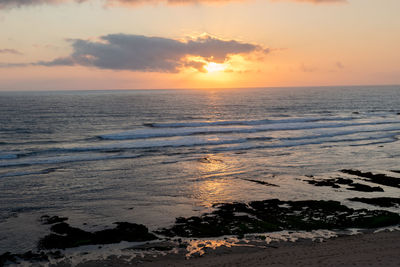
x,y
216,180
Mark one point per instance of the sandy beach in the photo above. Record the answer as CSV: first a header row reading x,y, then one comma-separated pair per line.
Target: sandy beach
x,y
379,249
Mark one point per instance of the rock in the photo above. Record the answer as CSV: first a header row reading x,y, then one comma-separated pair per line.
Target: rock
x,y
365,188
7,257
334,183
275,215
46,219
65,236
260,182
123,232
160,246
382,179
27,256
378,201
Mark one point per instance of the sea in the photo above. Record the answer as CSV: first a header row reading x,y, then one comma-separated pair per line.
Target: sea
x,y
150,156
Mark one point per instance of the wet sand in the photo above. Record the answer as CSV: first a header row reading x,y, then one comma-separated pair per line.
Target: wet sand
x,y
379,249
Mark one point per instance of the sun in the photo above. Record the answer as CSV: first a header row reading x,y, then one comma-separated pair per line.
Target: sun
x,y
214,67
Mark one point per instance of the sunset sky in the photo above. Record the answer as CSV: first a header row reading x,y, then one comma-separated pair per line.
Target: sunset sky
x,y
145,44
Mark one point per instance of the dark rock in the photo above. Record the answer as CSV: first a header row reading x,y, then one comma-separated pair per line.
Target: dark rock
x,y
7,257
65,236
30,256
260,182
365,188
27,256
382,179
379,201
334,183
275,215
123,232
160,246
328,182
344,181
46,219
55,254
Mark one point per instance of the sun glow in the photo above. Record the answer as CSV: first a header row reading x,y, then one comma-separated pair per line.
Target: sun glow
x,y
214,67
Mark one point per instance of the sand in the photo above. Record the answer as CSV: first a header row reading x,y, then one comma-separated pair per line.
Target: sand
x,y
379,249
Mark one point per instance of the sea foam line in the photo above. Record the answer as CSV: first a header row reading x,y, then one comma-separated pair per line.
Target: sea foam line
x,y
247,144
244,122
157,133
188,141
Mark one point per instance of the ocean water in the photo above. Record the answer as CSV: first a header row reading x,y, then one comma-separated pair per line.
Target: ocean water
x,y
149,156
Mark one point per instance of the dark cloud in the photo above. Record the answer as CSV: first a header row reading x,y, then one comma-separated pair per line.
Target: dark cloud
x,y
152,54
10,51
13,65
19,3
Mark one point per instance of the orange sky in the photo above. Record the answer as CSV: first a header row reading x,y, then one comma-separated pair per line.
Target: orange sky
x,y
140,44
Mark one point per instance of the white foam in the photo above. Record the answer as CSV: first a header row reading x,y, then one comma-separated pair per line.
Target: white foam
x,y
184,131
246,122
379,139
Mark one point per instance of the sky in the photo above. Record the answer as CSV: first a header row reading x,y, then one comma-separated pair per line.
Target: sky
x,y
157,44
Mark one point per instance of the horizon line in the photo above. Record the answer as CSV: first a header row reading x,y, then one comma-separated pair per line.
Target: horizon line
x,y
199,88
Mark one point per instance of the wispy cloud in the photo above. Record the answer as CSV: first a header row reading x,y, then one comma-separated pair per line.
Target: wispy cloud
x,y
151,54
10,51
339,65
4,4
307,68
316,1
19,3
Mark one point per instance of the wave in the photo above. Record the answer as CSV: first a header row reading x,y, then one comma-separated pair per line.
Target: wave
x,y
341,133
157,133
243,122
244,143
205,140
120,147
13,174
379,139
34,142
64,159
8,156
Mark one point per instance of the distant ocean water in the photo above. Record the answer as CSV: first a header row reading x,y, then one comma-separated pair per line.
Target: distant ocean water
x,y
149,156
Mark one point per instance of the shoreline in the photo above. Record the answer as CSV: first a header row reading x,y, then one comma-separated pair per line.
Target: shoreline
x,y
368,249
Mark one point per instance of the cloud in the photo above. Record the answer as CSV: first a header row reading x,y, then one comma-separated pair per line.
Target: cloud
x,y
10,51
339,65
307,68
152,54
19,3
6,4
317,1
